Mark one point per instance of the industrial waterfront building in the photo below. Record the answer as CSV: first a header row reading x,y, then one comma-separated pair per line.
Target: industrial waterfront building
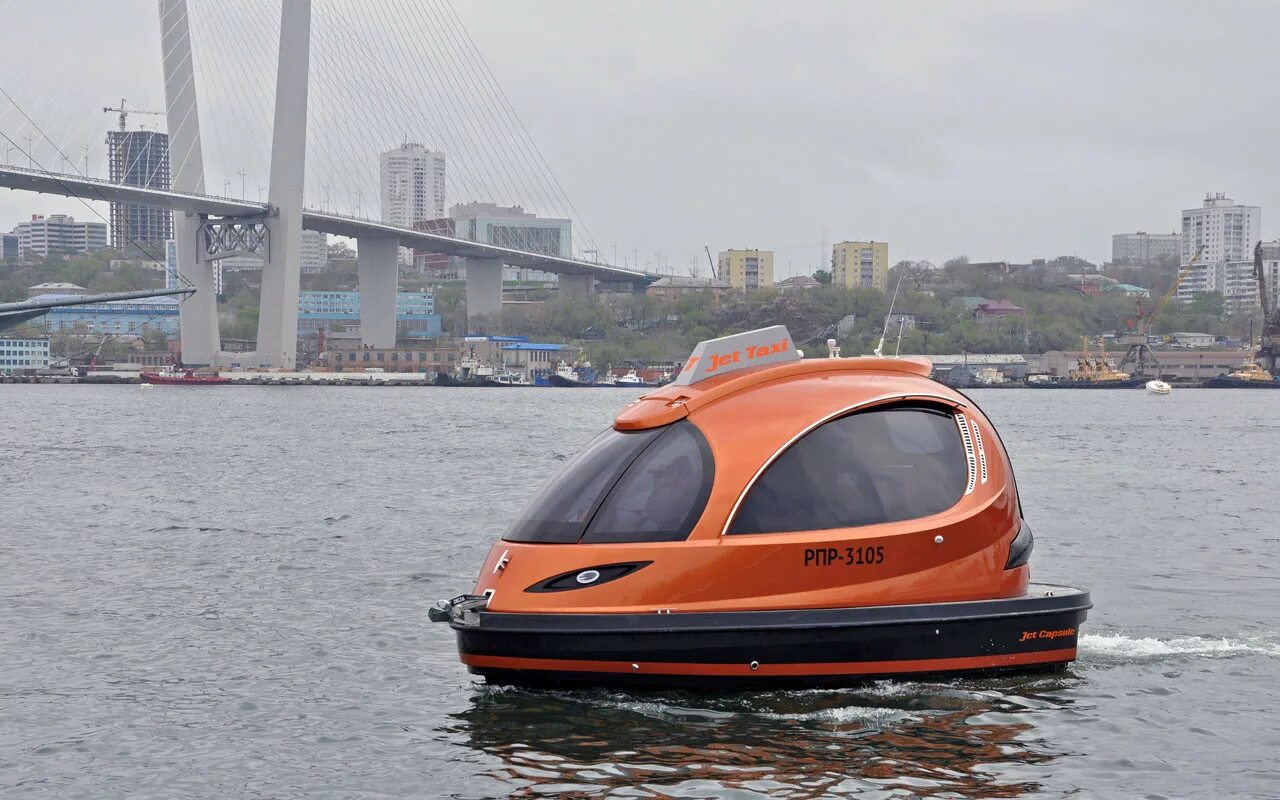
x,y
1227,231
121,317
415,313
20,355
860,265
345,353
747,270
58,233
139,158
503,226
1145,248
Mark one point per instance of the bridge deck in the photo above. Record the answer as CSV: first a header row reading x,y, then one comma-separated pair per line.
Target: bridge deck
x,y
32,180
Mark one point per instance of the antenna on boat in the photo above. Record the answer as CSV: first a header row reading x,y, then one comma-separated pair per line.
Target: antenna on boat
x,y
885,331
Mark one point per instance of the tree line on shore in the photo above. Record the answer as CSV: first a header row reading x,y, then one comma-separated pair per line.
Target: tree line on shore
x,y
620,328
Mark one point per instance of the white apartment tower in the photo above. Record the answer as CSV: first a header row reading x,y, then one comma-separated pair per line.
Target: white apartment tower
x,y
1227,231
412,187
59,233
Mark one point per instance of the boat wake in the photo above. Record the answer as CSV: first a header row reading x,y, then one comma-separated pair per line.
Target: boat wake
x,y
1099,648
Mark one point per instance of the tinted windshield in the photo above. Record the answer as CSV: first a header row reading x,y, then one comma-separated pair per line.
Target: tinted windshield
x,y
560,511
875,466
662,494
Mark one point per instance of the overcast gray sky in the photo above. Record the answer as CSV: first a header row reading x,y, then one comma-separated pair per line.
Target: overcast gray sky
x,y
997,129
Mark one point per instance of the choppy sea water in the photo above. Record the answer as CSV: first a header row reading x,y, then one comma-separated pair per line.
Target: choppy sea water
x,y
221,593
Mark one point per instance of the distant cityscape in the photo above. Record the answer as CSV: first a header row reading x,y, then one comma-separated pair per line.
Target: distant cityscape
x,y
413,194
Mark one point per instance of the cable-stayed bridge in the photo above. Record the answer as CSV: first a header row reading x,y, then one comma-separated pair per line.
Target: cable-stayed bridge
x,y
207,228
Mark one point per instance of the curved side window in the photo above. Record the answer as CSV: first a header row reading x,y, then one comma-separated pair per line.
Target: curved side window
x,y
560,511
663,492
881,465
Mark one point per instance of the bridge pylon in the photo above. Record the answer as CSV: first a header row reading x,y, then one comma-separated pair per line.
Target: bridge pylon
x,y
198,318
282,268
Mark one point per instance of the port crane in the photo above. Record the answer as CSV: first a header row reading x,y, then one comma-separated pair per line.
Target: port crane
x,y
1269,344
1140,355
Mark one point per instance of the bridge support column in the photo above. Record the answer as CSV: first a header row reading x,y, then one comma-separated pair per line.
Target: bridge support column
x,y
282,270
576,287
198,314
484,287
378,273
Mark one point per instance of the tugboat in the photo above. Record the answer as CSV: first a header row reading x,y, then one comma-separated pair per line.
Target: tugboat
x,y
471,371
1249,375
566,376
505,377
768,519
1092,373
179,376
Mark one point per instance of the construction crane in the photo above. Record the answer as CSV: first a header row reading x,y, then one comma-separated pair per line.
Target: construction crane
x,y
1140,355
1269,344
125,112
711,261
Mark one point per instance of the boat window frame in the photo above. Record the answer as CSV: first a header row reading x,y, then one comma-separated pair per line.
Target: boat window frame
x,y
707,469
950,405
619,470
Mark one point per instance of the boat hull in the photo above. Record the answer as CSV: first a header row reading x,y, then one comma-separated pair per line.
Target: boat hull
x,y
178,380
565,383
806,646
1131,383
1228,382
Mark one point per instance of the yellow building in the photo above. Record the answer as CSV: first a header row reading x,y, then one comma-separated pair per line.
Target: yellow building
x,y
746,269
861,264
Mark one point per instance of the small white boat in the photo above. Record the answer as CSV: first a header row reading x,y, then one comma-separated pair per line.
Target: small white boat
x,y
630,379
1158,387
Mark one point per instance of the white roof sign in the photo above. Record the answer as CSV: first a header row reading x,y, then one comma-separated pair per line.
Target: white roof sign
x,y
727,354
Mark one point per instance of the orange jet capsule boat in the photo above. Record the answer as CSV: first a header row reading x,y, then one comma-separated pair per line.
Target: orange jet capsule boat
x,y
771,519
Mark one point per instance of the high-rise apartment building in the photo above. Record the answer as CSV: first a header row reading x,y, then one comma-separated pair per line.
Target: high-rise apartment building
x,y
413,187
1271,271
1144,248
860,265
139,158
59,233
315,252
747,270
1228,232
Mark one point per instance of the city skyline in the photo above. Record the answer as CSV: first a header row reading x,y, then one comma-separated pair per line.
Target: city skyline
x,y
658,168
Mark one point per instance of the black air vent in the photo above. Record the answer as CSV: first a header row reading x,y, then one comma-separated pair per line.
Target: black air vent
x,y
587,577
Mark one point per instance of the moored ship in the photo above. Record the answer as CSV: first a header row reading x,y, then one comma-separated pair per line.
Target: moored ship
x,y
1249,375
179,376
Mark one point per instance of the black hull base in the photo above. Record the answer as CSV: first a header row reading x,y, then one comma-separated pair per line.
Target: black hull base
x,y
1132,383
565,383
816,647
1227,382
532,679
